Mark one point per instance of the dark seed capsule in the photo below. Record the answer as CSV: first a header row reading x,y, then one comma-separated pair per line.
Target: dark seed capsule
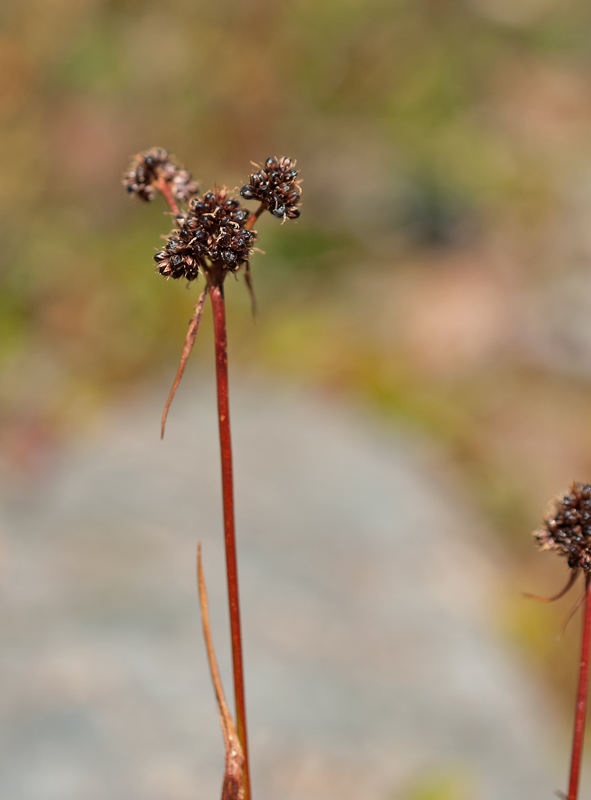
x,y
229,257
567,528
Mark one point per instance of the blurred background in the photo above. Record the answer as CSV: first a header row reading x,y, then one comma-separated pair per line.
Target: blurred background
x,y
439,278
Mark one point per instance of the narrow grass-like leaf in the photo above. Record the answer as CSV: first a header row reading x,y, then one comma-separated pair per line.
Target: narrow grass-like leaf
x,y
233,786
189,342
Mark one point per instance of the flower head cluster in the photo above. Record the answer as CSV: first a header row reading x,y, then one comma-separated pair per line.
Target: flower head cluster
x,y
275,185
567,527
211,233
148,167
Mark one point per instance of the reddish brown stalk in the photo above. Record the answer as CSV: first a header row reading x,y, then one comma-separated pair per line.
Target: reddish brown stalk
x,y
582,694
216,294
164,188
255,216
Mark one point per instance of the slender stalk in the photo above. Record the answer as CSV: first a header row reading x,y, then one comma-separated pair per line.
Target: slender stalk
x,y
255,216
216,293
163,187
582,694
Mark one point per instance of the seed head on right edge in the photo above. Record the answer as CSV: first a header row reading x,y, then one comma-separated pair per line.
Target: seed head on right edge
x,y
566,527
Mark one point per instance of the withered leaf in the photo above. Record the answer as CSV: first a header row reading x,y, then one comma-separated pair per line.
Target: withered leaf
x,y
189,342
233,787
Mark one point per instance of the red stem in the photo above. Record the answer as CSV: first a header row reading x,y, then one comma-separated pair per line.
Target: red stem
x,y
582,694
221,352
163,187
255,216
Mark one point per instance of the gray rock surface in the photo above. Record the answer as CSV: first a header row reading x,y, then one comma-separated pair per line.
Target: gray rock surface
x,y
371,663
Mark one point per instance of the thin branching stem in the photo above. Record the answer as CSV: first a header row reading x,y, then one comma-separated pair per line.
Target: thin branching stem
x,y
255,216
164,188
216,294
582,694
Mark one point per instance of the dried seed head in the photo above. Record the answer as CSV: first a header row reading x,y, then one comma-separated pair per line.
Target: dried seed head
x,y
567,527
212,231
148,167
182,187
178,259
275,185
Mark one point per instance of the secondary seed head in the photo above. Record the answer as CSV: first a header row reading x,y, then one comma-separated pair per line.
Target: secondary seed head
x,y
212,231
145,170
275,185
567,527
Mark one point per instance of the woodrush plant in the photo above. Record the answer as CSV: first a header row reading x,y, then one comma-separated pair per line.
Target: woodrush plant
x,y
566,529
213,238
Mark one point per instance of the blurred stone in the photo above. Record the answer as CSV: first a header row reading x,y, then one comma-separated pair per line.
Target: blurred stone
x,y
367,594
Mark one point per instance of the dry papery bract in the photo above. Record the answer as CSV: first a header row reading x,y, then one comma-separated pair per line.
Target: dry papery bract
x,y
233,786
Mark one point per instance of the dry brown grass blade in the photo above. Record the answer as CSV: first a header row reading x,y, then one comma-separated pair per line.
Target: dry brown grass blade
x,y
233,787
189,342
571,614
569,584
250,288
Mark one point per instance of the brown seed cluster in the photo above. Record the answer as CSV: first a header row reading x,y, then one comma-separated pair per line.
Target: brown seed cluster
x,y
567,527
148,167
211,233
275,185
214,234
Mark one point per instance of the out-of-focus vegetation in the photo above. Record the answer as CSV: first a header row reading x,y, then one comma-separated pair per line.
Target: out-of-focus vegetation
x,y
441,269
441,786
